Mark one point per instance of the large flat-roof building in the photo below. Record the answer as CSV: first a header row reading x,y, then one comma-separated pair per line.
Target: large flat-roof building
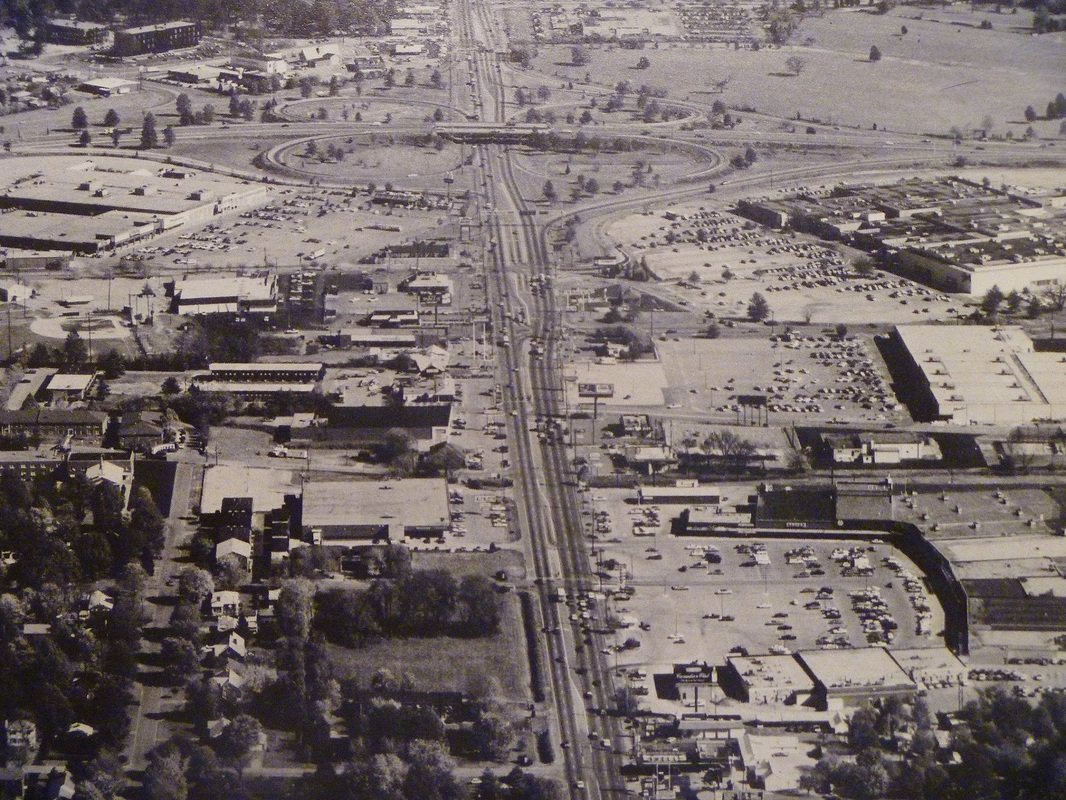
x,y
157,38
89,205
243,295
361,512
767,679
951,233
849,677
977,374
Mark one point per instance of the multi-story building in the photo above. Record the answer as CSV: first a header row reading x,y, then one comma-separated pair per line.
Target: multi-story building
x,y
157,38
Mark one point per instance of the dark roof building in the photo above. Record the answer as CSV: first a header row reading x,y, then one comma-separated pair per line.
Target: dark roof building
x,y
73,33
157,38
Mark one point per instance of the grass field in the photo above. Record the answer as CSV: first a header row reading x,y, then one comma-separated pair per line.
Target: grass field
x,y
944,72
448,664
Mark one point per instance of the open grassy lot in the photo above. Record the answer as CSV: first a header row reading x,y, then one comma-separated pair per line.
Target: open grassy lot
x,y
944,72
447,664
365,164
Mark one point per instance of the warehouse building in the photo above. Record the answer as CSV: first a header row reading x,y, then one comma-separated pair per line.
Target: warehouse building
x,y
981,374
350,513
844,678
243,296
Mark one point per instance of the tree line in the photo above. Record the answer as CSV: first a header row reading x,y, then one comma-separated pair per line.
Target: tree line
x,y
421,603
1007,749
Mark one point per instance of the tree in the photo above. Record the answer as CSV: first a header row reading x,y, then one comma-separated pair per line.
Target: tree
x,y
111,364
875,53
164,777
795,64
75,353
549,191
85,139
579,56
841,331
1055,295
493,734
991,301
436,80
111,118
116,134
863,266
180,660
1030,114
294,609
79,120
195,585
169,137
733,449
184,108
239,738
643,62
171,386
149,135
758,308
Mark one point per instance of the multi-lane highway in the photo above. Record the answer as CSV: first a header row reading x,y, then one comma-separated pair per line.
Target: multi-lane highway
x,y
553,529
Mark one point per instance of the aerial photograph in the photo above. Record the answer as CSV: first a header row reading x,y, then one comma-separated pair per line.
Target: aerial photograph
x,y
507,400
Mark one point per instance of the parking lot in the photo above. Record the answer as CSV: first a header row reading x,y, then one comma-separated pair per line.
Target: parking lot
x,y
718,260
807,376
698,598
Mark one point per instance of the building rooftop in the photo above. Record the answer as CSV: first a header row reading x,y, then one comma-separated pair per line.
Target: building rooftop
x,y
67,382
986,373
252,366
866,667
243,286
265,485
772,672
162,26
413,502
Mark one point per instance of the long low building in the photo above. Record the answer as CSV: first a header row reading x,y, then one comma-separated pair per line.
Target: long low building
x,y
285,372
351,513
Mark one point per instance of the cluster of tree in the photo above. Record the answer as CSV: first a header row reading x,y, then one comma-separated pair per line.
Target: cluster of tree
x,y
516,785
1007,748
636,343
415,603
1047,17
421,770
280,17
42,522
73,356
78,671
995,302
522,54
524,96
187,116
333,153
553,142
182,769
745,159
1056,109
